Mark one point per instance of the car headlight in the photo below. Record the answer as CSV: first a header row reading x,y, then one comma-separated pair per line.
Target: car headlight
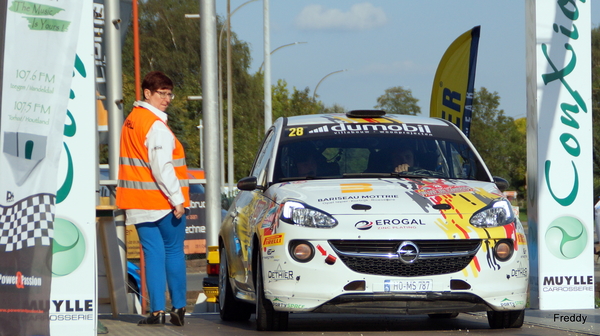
x,y
497,213
301,214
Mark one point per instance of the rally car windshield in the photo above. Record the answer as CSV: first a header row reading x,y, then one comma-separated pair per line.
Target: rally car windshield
x,y
376,155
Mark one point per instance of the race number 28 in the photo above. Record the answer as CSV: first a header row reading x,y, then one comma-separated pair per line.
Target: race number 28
x,y
296,131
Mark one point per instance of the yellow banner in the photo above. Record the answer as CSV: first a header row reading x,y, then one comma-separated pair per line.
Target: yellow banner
x,y
452,91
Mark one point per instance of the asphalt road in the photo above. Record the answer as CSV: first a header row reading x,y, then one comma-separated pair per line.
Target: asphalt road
x,y
334,324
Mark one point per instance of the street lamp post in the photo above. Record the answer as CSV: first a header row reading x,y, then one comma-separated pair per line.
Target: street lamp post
x,y
229,98
267,100
322,79
200,128
274,50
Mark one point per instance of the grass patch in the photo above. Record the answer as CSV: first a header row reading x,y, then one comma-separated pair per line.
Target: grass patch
x,y
523,216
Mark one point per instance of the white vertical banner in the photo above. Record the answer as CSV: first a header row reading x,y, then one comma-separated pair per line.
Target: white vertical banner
x,y
39,52
73,309
559,155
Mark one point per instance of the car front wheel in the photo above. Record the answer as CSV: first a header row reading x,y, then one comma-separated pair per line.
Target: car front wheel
x,y
506,319
267,319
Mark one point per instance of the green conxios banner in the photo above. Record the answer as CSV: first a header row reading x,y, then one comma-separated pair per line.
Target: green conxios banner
x,y
559,154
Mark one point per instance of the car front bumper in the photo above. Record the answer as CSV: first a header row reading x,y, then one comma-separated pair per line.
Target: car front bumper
x,y
327,284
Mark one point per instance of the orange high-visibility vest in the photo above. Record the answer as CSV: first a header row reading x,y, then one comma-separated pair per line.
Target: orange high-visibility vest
x,y
136,188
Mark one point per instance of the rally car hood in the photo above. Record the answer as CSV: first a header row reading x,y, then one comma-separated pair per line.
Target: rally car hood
x,y
389,196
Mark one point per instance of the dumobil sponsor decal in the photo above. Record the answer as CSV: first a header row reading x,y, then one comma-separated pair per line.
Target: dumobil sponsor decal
x,y
403,128
273,240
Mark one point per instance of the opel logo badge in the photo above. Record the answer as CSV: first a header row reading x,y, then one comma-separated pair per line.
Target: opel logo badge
x,y
408,252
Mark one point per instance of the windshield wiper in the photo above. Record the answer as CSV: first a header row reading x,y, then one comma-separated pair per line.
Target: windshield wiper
x,y
296,178
309,177
366,175
412,174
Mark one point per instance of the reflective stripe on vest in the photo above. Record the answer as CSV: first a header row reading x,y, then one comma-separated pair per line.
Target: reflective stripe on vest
x,y
136,188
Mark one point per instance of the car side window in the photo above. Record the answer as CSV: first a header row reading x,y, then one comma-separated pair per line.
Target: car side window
x,y
261,164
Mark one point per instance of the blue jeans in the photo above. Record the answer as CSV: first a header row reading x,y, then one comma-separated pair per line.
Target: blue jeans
x,y
162,243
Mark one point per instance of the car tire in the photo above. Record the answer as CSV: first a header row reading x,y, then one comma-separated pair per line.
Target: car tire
x,y
230,309
267,319
443,316
506,319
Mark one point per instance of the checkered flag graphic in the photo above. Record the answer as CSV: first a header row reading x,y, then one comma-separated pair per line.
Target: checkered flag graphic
x,y
27,223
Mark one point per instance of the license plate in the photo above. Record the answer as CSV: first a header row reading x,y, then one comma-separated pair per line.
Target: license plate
x,y
407,285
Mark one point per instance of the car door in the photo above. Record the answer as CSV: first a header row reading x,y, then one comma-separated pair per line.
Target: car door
x,y
246,214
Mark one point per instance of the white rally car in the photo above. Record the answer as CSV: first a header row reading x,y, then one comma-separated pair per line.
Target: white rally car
x,y
365,212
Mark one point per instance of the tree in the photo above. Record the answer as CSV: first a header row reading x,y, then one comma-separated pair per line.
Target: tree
x,y
335,109
296,102
397,100
500,140
171,44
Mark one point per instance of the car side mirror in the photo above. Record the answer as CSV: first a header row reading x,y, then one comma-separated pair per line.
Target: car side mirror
x,y
501,183
247,183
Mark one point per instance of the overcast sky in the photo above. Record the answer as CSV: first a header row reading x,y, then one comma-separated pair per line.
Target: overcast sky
x,y
385,43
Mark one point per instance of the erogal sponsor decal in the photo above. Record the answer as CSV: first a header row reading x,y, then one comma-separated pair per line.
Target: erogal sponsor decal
x,y
390,223
399,221
363,225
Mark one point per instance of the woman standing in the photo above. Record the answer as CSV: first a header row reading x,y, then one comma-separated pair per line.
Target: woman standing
x,y
154,191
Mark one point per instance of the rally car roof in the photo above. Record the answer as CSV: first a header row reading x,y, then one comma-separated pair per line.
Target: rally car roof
x,y
349,118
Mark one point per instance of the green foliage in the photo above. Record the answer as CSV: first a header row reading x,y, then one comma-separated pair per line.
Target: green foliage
x,y
398,100
171,44
499,139
335,109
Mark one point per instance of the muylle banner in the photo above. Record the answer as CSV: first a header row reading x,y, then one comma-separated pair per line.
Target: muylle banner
x,y
37,56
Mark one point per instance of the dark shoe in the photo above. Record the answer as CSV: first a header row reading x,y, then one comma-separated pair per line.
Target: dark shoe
x,y
177,316
152,319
